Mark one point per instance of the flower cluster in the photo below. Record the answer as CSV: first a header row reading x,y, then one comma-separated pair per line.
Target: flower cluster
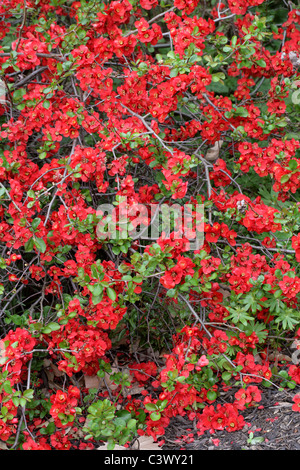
x,y
108,111
63,406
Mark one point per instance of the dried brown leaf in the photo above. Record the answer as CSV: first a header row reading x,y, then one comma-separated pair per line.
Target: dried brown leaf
x,y
213,153
225,293
279,357
142,443
3,446
44,424
57,372
135,390
134,347
282,404
51,370
92,381
146,443
104,447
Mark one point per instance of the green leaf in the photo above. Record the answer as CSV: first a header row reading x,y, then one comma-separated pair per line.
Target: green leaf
x,y
111,294
293,164
94,271
171,292
81,33
174,72
285,178
29,245
283,374
31,194
110,445
53,326
211,395
22,401
16,401
131,424
124,414
18,94
150,406
180,378
35,223
46,330
97,299
226,376
40,245
240,111
155,416
261,63
28,393
7,388
124,249
97,290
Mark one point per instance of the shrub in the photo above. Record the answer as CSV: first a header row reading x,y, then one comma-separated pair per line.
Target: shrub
x,y
119,121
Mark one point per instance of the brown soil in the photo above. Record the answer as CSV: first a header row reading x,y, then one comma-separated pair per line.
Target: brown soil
x,y
276,424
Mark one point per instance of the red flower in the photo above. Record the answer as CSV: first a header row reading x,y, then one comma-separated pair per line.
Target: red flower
x,y
296,405
148,4
144,371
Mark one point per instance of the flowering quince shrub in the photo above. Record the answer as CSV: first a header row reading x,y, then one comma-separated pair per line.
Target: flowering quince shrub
x,y
142,104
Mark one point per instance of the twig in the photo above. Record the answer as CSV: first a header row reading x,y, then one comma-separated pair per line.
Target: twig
x,y
22,25
29,77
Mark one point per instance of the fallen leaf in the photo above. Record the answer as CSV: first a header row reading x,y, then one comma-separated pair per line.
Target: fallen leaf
x,y
142,443
279,357
57,372
213,153
282,404
257,359
92,381
67,430
3,446
115,448
44,424
134,346
51,370
108,382
135,390
146,443
224,292
78,434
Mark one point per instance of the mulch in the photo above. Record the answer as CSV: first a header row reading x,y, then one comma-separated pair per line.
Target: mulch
x,y
274,422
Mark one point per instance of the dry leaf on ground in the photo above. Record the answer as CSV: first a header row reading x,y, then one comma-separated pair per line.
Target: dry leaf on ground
x,y
142,443
213,153
3,446
279,357
92,381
